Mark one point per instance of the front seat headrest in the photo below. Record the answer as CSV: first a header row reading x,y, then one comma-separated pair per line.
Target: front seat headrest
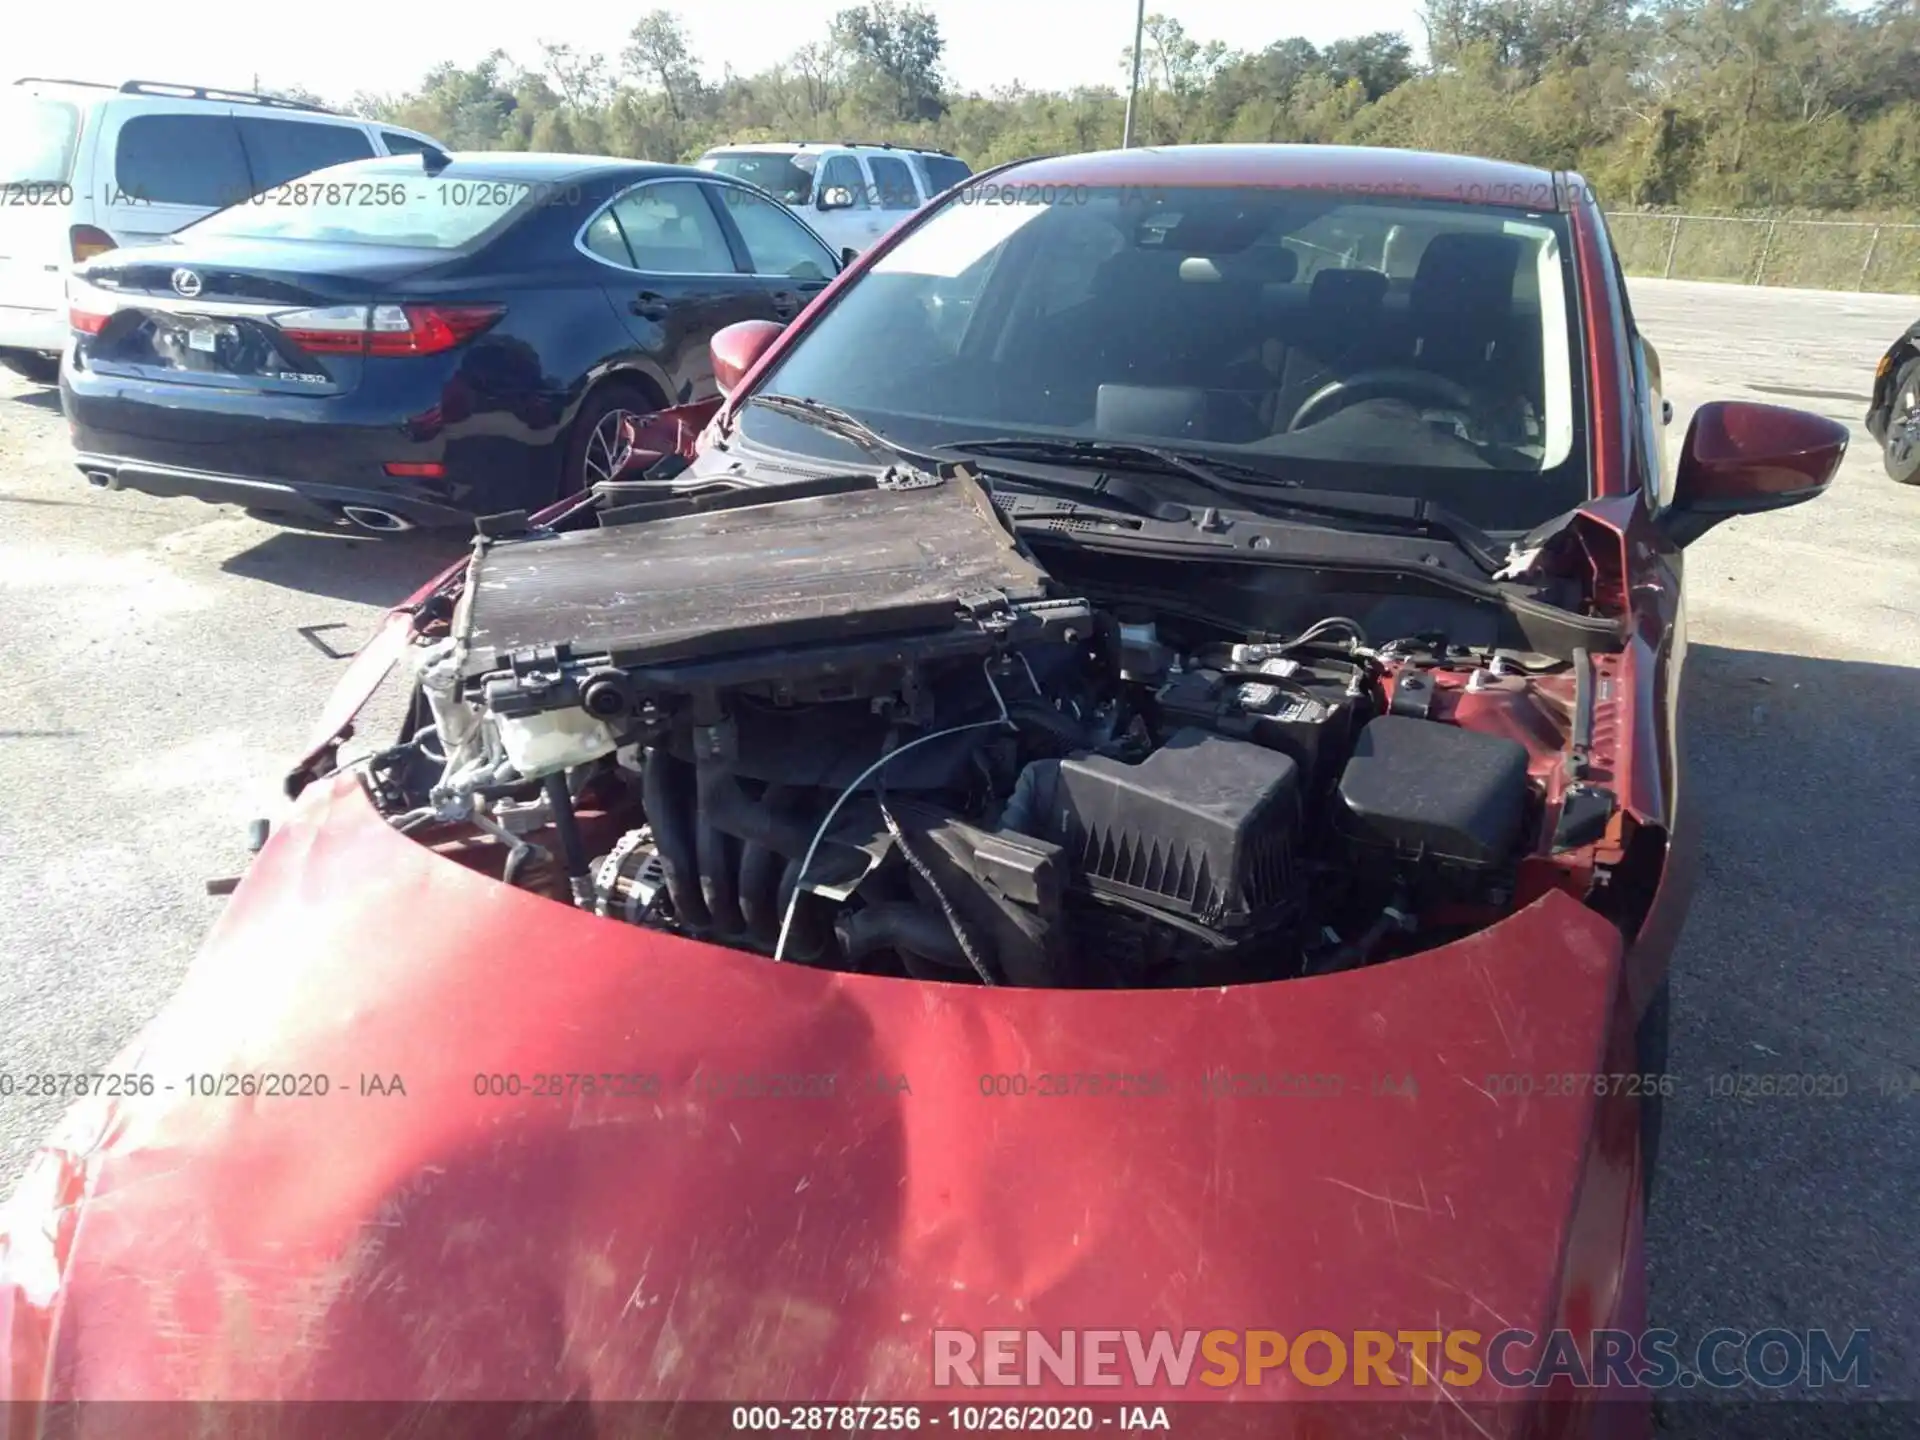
x,y
1466,279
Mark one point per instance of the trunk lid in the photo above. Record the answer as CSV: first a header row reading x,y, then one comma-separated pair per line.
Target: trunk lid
x,y
230,313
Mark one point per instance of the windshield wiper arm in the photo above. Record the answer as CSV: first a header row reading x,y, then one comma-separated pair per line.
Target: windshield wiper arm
x,y
1208,474
1257,489
1109,490
836,421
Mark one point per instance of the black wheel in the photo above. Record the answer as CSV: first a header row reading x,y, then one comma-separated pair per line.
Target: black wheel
x,y
41,369
595,450
1650,1046
1901,453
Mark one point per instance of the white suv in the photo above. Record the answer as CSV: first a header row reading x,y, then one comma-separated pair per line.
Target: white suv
x,y
851,193
86,168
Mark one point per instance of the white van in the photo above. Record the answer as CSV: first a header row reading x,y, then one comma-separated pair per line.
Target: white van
x,y
86,168
851,193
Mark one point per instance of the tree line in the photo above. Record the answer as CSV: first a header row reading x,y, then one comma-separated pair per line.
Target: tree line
x,y
1718,105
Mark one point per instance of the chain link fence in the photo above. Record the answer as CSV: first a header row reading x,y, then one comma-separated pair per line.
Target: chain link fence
x,y
1756,250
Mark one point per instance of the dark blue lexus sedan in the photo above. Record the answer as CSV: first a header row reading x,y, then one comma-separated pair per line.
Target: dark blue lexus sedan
x,y
411,341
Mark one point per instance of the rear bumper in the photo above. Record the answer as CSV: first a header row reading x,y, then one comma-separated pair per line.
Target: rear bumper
x,y
43,331
293,453
315,504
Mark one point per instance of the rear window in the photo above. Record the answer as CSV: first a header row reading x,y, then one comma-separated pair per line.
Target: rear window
x,y
790,177
376,204
944,172
37,140
283,150
182,160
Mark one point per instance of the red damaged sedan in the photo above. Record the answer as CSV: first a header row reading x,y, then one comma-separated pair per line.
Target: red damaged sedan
x,y
1128,785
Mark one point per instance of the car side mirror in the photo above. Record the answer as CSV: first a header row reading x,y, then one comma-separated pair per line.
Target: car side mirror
x,y
836,197
1744,459
737,348
848,255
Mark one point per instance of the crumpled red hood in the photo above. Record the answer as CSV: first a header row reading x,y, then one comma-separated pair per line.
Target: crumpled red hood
x,y
701,1244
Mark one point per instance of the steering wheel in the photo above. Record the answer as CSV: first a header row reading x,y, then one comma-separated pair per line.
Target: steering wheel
x,y
1403,382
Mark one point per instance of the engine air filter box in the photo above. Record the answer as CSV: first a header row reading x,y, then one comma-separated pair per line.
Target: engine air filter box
x,y
1203,828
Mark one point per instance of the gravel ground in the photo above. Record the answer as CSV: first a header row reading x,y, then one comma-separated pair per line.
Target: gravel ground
x,y
159,672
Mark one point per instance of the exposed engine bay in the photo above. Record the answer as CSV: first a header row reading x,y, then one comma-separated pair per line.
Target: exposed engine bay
x,y
859,726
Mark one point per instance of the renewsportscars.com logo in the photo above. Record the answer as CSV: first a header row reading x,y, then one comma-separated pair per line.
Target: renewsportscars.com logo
x,y
1457,1359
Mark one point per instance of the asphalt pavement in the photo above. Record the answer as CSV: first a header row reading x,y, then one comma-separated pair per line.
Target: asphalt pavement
x,y
161,661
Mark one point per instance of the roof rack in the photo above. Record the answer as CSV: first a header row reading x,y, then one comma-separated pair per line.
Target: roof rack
x,y
56,80
897,145
851,145
202,92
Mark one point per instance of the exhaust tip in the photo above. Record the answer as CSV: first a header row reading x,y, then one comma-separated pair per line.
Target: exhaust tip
x,y
102,479
368,518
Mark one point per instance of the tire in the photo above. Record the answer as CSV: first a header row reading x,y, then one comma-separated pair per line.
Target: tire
x,y
31,364
1650,1048
591,457
1901,452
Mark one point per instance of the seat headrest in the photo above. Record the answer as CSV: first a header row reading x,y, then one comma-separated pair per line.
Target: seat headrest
x,y
1123,275
1348,289
1275,264
1466,278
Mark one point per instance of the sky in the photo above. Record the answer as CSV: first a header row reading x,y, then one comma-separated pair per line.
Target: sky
x,y
345,46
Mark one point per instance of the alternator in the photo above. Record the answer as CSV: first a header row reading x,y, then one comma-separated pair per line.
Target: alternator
x,y
629,881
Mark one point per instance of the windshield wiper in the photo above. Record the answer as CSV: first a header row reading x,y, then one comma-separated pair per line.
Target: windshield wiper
x,y
1208,474
1115,490
1257,489
836,421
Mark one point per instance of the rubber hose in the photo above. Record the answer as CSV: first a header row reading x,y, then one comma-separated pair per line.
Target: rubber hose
x,y
760,867
760,892
719,857
724,806
667,797
908,930
807,940
573,851
1063,728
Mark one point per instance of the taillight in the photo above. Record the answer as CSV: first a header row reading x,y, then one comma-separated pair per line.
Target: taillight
x,y
88,310
427,329
415,469
386,330
333,330
88,241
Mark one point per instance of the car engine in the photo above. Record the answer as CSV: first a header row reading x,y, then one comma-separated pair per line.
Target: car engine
x,y
858,726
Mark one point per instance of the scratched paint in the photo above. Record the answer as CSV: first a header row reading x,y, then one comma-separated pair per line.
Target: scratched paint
x,y
459,1246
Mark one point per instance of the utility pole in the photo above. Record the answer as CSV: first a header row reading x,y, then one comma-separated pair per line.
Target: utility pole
x,y
1133,95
